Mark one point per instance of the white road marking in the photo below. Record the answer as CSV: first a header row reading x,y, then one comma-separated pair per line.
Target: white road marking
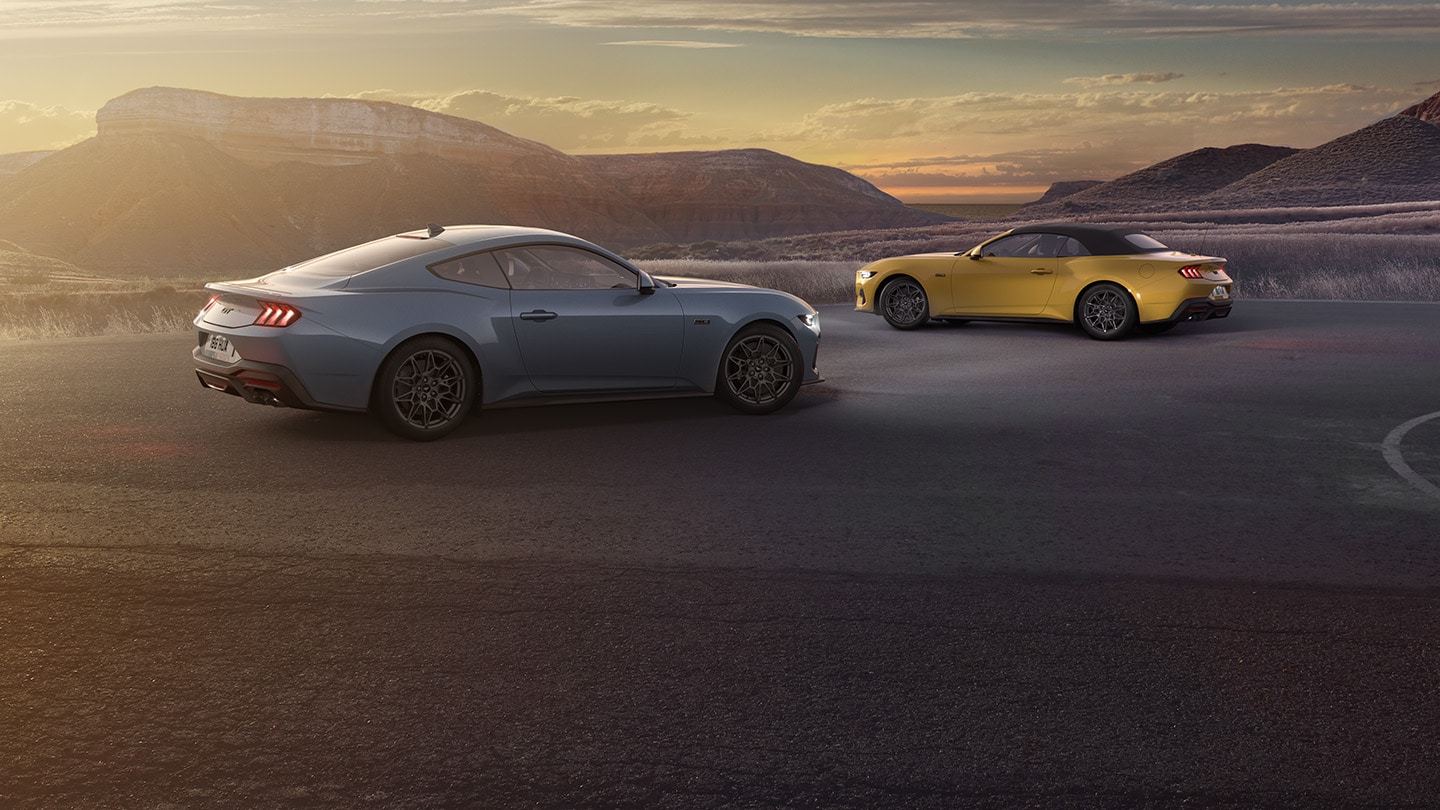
x,y
1391,449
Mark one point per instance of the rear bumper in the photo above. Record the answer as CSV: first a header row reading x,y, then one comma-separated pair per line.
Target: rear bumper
x,y
1198,309
257,383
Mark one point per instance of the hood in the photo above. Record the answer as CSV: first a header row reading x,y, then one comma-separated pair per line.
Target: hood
x,y
685,282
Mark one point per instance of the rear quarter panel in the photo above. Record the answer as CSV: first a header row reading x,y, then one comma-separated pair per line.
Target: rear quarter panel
x,y
1142,277
476,317
1151,280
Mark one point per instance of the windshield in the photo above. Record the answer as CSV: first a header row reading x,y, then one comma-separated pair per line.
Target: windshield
x,y
369,256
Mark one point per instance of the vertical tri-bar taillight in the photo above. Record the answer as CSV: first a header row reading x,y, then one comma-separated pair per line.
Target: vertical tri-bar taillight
x,y
273,314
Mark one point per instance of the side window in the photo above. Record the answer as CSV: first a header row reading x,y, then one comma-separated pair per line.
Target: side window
x,y
1020,244
478,268
555,267
1073,248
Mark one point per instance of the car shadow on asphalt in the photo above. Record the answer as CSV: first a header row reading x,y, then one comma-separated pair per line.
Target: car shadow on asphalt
x,y
354,427
1066,330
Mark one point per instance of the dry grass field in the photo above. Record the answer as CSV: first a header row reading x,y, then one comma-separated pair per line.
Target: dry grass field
x,y
1373,253
37,307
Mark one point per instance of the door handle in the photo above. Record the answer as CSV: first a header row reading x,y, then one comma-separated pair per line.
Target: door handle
x,y
1039,271
538,315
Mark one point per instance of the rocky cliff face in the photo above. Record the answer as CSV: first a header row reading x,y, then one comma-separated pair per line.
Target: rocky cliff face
x,y
319,131
1427,110
182,181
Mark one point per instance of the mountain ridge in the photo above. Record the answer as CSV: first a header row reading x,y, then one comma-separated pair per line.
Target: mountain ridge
x,y
177,180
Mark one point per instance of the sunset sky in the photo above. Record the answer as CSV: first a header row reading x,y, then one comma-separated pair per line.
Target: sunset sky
x,y
984,100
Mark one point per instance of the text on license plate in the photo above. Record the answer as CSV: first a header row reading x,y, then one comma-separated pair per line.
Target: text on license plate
x,y
217,347
1218,293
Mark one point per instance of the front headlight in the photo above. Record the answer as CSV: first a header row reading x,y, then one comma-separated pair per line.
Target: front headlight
x,y
866,275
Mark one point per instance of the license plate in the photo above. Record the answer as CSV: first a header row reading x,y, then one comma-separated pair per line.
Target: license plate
x,y
1220,293
217,347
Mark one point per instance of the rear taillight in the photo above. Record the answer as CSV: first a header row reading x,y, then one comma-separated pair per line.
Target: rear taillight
x,y
1191,271
209,304
272,314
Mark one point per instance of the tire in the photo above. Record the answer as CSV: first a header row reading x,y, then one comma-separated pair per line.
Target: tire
x,y
425,388
1158,328
1106,312
760,370
903,304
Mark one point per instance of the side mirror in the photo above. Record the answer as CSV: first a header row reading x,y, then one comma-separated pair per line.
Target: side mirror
x,y
647,284
974,255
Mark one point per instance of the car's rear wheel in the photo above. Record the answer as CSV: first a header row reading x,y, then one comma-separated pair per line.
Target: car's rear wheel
x,y
761,369
903,304
425,388
1106,312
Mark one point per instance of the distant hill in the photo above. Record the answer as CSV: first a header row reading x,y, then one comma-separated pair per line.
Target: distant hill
x,y
1427,110
1177,181
1393,160
18,263
153,204
1062,189
15,161
184,181
750,194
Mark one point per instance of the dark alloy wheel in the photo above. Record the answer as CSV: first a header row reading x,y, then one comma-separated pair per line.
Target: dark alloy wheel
x,y
903,304
761,369
1106,312
425,388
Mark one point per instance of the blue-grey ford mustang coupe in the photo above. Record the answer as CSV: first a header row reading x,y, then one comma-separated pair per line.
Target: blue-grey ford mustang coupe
x,y
421,327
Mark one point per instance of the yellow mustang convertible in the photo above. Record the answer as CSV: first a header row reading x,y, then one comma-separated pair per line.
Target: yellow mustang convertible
x,y
1110,280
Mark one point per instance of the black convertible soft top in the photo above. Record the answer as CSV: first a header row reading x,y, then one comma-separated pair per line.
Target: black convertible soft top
x,y
1100,240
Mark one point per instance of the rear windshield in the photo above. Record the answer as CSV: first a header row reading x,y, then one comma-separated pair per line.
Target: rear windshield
x,y
369,256
1145,243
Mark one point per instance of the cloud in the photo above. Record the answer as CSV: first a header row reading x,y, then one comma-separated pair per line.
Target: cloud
x,y
567,123
675,43
1038,138
906,19
1120,79
28,127
944,19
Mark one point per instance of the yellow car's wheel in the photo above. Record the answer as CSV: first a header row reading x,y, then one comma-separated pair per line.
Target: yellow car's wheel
x,y
903,304
1106,312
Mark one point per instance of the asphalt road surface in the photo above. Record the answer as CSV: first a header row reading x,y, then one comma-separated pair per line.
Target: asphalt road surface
x,y
980,566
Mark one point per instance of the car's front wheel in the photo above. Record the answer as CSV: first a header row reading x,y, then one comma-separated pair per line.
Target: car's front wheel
x,y
425,388
761,369
903,304
1106,312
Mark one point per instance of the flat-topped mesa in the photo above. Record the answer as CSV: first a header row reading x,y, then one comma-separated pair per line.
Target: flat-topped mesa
x,y
319,131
